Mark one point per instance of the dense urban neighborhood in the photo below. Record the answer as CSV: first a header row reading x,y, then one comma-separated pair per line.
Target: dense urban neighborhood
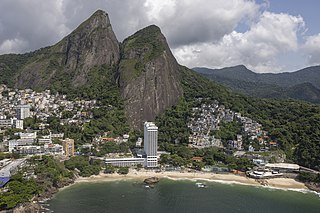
x,y
19,107
209,120
236,142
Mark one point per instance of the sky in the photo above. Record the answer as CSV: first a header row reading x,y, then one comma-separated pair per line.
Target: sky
x,y
264,35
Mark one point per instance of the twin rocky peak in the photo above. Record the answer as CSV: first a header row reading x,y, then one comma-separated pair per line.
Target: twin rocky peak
x,y
143,66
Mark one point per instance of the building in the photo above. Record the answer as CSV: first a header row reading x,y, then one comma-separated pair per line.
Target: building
x,y
4,162
122,162
50,148
9,170
68,147
27,150
283,167
18,124
197,159
57,135
148,157
139,142
151,144
44,140
27,135
5,123
125,138
23,111
12,144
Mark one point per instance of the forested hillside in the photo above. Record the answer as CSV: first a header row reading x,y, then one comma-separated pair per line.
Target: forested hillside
x,y
294,125
299,85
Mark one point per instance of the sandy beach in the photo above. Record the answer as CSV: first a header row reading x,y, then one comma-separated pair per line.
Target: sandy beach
x,y
280,183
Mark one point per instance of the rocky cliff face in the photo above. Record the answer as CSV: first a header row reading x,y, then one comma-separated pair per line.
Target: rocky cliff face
x,y
69,62
93,43
148,76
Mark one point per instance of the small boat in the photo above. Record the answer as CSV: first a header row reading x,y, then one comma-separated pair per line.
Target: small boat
x,y
149,186
201,185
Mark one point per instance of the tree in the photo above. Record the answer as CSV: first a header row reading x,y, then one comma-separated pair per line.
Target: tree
x,y
109,169
198,165
139,166
67,114
123,170
83,165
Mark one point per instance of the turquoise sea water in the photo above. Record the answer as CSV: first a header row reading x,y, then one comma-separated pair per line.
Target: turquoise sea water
x,y
179,196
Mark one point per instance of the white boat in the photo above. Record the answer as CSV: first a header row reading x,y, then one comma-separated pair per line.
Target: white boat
x,y
201,185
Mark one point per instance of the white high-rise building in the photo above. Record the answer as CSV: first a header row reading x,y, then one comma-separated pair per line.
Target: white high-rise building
x,y
151,144
23,111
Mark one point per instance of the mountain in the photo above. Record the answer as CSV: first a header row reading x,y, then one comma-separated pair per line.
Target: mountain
x,y
140,80
305,91
69,62
301,85
88,63
148,75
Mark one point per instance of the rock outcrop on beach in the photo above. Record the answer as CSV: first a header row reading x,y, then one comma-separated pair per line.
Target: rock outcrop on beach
x,y
25,208
151,180
313,186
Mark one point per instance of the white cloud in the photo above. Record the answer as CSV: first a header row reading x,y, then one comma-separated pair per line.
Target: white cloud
x,y
213,33
12,45
160,10
36,23
257,48
202,21
312,49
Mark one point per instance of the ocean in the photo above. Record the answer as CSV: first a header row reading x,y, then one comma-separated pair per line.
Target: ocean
x,y
179,197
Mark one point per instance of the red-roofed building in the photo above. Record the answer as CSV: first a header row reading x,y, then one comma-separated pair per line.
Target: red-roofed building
x,y
197,159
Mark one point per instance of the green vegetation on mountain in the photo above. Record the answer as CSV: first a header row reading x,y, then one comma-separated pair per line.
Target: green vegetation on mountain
x,y
173,123
301,85
148,76
228,131
146,38
294,125
10,64
138,49
285,79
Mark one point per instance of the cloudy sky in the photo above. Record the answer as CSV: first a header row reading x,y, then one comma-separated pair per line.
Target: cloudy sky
x,y
266,36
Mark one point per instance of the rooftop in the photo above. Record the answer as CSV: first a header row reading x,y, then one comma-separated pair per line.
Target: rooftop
x,y
150,125
283,165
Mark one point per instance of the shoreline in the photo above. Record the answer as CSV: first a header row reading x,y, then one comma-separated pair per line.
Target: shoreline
x,y
286,184
276,183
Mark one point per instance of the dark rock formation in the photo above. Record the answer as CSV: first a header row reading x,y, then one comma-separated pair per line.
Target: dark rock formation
x,y
313,186
151,180
148,76
92,43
